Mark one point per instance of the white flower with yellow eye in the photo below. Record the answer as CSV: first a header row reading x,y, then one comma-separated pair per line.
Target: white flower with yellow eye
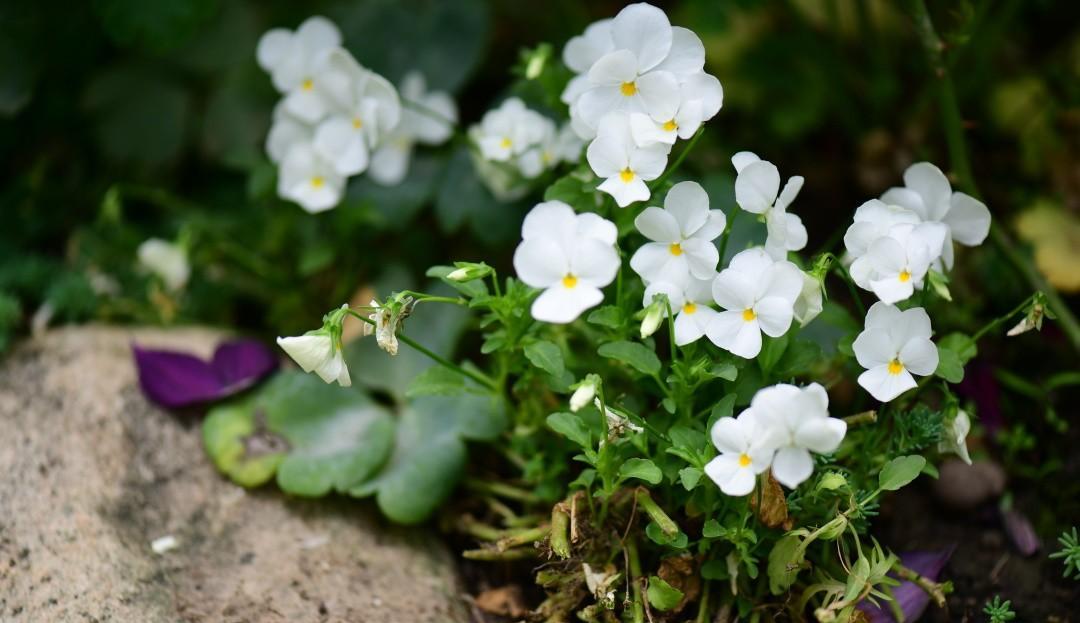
x,y
296,62
310,180
874,219
365,110
287,130
894,346
927,192
682,235
798,422
895,265
757,190
508,131
758,295
689,299
746,449
701,98
569,256
625,167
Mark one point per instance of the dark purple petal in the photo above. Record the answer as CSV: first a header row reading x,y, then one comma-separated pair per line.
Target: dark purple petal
x,y
1021,532
173,379
911,599
239,364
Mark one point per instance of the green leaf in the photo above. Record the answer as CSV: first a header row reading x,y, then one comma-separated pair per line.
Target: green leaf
x,y
662,595
690,477
656,535
437,381
316,437
798,359
156,26
950,367
571,426
463,199
642,469
546,356
608,316
574,191
429,453
900,471
715,570
771,352
634,354
785,561
711,529
725,370
961,344
724,408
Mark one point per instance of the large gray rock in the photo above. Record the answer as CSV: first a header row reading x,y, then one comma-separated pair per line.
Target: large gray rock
x,y
90,474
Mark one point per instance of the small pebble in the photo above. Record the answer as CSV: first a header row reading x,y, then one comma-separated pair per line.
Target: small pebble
x,y
164,544
965,487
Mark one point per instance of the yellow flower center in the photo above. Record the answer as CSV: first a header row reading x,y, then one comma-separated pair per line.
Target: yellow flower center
x,y
905,276
689,308
744,460
895,367
628,88
308,84
506,143
317,181
748,314
357,123
675,249
670,125
569,281
627,175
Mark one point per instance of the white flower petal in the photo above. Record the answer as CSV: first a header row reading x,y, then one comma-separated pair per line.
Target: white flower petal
x,y
687,55
689,204
653,261
658,225
595,226
614,69
730,331
645,31
774,315
873,347
734,290
659,93
390,162
743,158
884,385
702,256
594,262
274,46
339,143
792,466
582,51
625,192
919,356
550,219
821,435
541,262
968,220
561,305
756,186
933,188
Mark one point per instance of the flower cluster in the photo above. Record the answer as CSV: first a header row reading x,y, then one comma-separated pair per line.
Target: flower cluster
x,y
779,430
337,118
896,240
516,144
639,85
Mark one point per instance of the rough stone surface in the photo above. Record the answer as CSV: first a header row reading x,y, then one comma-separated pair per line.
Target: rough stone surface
x,y
91,474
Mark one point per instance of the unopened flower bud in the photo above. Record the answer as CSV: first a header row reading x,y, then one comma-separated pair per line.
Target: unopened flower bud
x,y
468,271
654,315
831,481
584,393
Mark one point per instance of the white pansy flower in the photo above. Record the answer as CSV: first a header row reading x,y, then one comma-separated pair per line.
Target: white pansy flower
x,y
927,192
166,260
296,62
625,167
287,130
682,235
758,295
895,265
893,346
798,420
433,124
875,219
643,70
746,449
366,109
757,190
542,155
569,256
508,131
308,179
319,352
701,98
689,298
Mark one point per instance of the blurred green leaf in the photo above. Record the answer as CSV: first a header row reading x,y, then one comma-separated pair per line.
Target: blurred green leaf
x,y
155,26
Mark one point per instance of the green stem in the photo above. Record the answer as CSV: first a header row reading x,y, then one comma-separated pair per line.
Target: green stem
x,y
502,490
429,298
666,524
933,589
961,166
678,161
446,363
635,580
703,605
1001,319
524,537
838,267
492,555
727,233
560,527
